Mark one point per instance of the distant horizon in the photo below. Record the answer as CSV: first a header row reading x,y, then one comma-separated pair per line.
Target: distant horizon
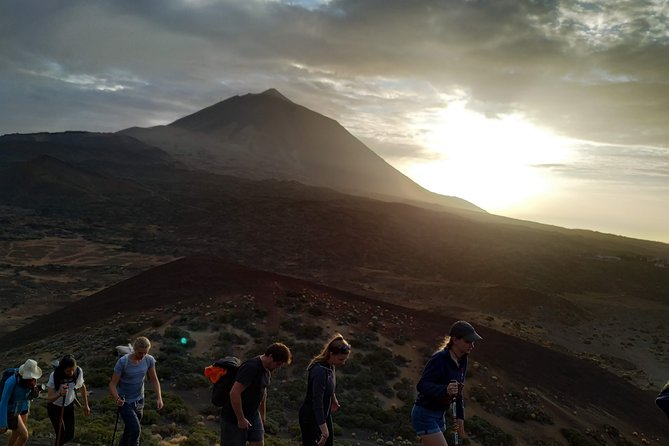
x,y
562,121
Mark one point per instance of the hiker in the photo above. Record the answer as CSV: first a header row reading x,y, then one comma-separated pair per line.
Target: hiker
x,y
321,401
442,381
127,388
662,399
248,397
17,392
63,381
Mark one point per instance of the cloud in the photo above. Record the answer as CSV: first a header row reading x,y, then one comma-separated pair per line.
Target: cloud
x,y
594,70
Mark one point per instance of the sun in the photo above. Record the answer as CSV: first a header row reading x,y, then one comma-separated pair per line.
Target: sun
x,y
495,162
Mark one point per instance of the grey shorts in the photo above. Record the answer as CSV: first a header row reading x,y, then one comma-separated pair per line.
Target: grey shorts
x,y
231,435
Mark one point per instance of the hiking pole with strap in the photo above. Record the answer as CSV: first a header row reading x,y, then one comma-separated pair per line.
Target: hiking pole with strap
x,y
60,421
118,412
454,417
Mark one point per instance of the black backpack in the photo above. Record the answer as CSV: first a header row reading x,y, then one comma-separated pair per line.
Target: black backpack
x,y
220,394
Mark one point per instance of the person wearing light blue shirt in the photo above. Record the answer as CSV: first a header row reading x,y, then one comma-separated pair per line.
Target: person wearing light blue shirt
x,y
127,388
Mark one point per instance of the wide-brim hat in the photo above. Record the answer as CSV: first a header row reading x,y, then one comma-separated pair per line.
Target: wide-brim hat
x,y
464,330
30,370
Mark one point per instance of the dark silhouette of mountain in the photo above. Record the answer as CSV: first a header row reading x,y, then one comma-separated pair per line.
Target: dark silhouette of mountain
x,y
43,179
263,136
81,148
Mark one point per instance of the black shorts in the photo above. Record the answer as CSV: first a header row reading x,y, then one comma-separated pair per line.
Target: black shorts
x,y
13,420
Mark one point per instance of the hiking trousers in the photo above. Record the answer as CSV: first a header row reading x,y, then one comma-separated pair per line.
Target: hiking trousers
x,y
67,428
310,431
132,415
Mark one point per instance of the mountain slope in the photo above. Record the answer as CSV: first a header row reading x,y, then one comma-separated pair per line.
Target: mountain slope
x,y
262,136
581,390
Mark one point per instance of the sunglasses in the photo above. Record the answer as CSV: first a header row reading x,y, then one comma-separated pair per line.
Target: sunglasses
x,y
341,349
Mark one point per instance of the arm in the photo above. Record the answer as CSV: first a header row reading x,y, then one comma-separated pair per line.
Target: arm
x,y
84,398
52,395
236,403
335,403
4,402
319,377
113,383
263,407
434,374
155,382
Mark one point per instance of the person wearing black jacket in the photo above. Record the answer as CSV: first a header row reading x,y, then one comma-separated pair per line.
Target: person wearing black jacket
x,y
321,401
442,380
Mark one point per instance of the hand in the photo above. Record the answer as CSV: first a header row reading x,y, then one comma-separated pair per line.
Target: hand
x,y
243,424
159,403
321,441
87,410
453,388
63,390
120,401
335,405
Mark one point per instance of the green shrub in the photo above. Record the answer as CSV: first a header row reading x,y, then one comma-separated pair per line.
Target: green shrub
x,y
575,438
487,434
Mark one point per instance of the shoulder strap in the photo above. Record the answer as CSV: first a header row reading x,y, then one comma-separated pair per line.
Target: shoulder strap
x,y
124,363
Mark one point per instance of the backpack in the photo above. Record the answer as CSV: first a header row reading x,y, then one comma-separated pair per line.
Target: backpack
x,y
222,374
5,376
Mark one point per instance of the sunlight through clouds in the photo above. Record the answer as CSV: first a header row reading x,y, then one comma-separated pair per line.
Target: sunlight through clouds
x,y
490,161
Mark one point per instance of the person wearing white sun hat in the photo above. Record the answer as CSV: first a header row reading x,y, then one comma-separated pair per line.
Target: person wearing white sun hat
x,y
19,389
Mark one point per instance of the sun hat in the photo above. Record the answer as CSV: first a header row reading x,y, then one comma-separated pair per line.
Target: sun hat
x,y
30,370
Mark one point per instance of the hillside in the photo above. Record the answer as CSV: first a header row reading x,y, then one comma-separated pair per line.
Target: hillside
x,y
267,136
210,299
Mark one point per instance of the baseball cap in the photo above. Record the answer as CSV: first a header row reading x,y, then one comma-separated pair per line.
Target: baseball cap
x,y
464,330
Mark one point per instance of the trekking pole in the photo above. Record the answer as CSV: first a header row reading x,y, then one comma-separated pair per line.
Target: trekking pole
x,y
454,416
60,421
118,412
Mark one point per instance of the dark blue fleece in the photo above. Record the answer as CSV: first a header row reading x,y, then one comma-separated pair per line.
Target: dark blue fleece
x,y
440,370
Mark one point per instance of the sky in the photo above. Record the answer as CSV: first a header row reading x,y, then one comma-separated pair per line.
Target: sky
x,y
551,111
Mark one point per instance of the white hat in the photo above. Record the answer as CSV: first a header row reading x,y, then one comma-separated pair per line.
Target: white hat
x,y
30,370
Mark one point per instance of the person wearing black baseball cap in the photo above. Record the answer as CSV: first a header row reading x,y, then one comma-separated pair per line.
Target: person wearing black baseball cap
x,y
441,382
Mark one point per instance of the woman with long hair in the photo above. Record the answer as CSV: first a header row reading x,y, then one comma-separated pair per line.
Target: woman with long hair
x,y
63,381
441,385
321,400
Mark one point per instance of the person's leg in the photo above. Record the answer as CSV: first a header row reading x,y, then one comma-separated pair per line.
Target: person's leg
x,y
308,428
19,435
429,426
132,428
437,439
54,415
68,424
256,433
231,435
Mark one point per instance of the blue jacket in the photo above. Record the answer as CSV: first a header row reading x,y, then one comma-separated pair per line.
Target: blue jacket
x,y
14,400
440,370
